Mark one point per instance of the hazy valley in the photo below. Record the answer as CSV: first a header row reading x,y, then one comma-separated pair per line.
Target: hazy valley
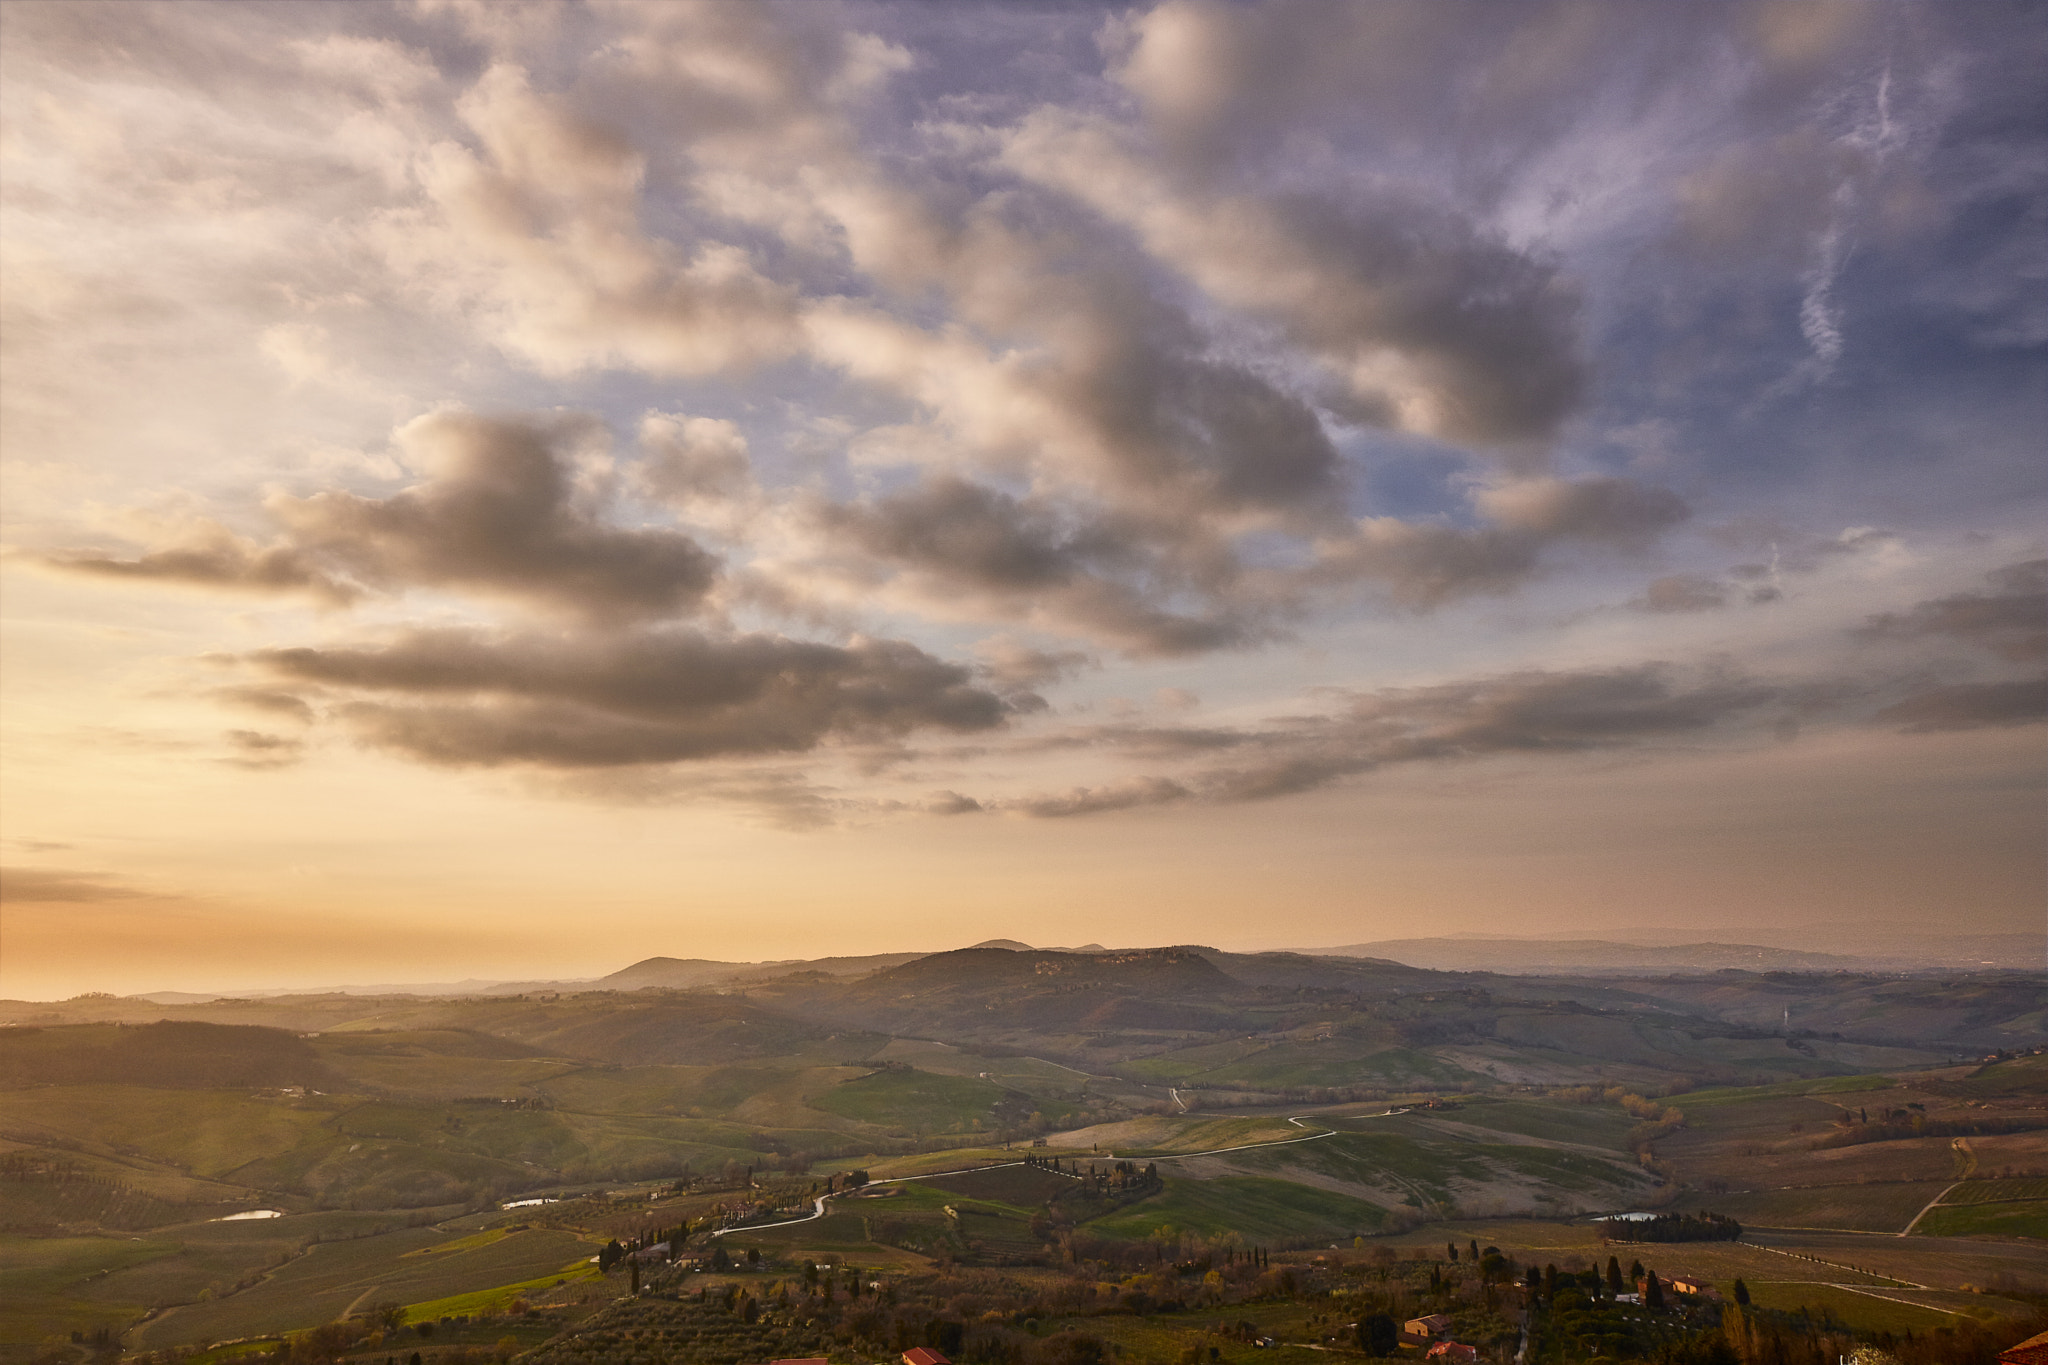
x,y
450,1155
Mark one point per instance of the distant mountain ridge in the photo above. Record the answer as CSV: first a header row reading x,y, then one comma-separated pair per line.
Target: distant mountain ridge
x,y
1566,957
1387,960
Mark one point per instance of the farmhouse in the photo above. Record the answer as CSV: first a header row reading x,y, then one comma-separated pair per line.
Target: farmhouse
x,y
1431,1328
924,1355
1453,1353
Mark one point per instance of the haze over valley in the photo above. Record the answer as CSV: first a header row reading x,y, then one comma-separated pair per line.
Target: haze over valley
x,y
1023,682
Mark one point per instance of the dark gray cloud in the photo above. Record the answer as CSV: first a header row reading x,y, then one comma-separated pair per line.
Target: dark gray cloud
x,y
1522,713
1095,573
1972,706
2010,621
462,698
1009,663
499,515
216,558
48,885
1424,320
1424,564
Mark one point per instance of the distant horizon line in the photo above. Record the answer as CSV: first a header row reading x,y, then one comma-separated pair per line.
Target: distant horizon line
x,y
1877,960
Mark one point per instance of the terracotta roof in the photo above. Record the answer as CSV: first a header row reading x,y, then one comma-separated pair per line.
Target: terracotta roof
x,y
2032,1351
924,1355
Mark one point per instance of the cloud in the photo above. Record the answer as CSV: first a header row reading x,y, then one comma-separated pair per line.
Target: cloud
x,y
1102,386
1972,706
957,543
258,750
1530,713
499,514
1427,323
1143,791
214,557
1683,593
270,701
44,885
1609,511
2011,621
693,463
1425,564
544,226
463,698
1010,663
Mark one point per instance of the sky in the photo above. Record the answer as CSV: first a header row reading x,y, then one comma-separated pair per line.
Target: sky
x,y
502,491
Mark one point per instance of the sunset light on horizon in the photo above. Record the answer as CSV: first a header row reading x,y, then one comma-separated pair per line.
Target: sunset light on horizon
x,y
500,491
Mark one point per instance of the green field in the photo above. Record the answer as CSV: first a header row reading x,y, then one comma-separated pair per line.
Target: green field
x,y
1857,1208
1864,1312
1996,1191
331,1277
1257,1209
2018,1218
1022,1187
915,1100
498,1299
639,1110
40,1280
1589,1125
206,1133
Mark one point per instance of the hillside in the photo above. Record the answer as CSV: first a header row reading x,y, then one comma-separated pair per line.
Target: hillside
x,y
1287,1099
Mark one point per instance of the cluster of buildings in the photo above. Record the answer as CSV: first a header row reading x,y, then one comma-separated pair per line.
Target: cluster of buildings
x,y
916,1355
1433,1333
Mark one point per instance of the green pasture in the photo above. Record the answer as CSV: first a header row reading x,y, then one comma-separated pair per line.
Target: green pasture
x,y
207,1133
1255,1207
1589,1125
1184,1136
331,1277
2017,1218
2017,1076
1018,1187
1189,1061
1432,1171
1854,1208
1862,1311
499,1298
1996,1191
914,1101
1718,1096
41,1279
1334,1062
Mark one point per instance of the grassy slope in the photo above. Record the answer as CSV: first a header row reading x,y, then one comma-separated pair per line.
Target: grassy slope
x,y
913,1100
2020,1218
332,1276
1257,1208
